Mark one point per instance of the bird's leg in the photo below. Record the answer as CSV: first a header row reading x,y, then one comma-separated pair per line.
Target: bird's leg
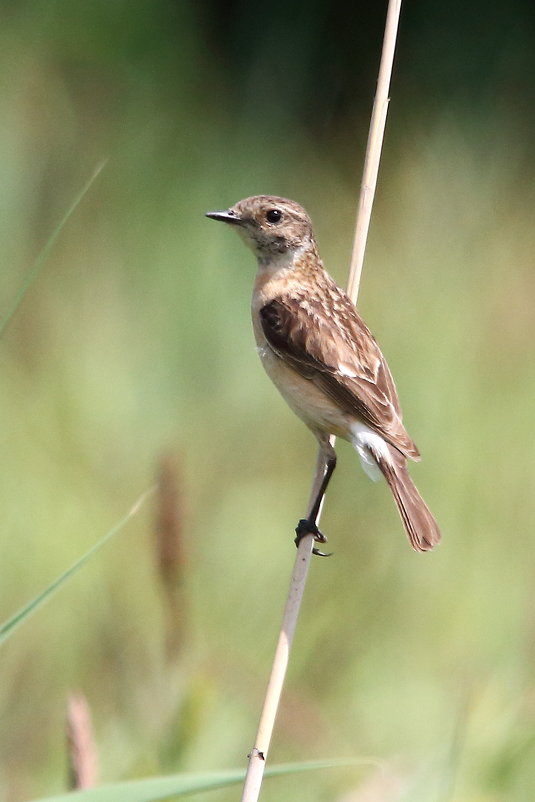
x,y
309,526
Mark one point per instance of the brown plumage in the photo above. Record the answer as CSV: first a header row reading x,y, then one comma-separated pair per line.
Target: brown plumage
x,y
323,358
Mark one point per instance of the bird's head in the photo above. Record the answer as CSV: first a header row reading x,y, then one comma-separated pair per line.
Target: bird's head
x,y
272,227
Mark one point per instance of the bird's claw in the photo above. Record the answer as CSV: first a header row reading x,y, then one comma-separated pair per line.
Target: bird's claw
x,y
306,527
319,553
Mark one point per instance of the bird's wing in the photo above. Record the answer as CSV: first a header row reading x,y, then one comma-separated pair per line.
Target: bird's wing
x,y
331,346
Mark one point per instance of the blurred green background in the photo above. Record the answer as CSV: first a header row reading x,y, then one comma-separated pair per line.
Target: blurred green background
x,y
132,353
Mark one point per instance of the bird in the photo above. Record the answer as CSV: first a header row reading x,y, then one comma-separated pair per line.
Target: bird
x,y
324,360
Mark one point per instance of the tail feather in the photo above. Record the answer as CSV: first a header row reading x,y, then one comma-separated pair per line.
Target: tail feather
x,y
422,529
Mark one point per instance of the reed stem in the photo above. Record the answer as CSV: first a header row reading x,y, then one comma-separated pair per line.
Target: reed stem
x,y
258,755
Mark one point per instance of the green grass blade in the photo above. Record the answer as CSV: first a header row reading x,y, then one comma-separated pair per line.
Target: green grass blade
x,y
156,788
9,626
45,251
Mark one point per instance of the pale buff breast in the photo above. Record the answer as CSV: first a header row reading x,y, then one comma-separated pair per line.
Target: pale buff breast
x,y
305,399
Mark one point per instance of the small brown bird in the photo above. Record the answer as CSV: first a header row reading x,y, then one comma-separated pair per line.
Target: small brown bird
x,y
323,358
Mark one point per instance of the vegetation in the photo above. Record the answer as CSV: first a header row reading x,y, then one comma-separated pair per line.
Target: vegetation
x,y
131,353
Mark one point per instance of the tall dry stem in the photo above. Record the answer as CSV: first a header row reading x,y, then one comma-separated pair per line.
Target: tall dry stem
x,y
258,755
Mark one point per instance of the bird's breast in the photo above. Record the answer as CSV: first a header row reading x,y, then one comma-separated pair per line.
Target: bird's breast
x,y
308,402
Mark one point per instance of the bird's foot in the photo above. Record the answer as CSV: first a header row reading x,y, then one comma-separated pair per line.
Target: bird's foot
x,y
306,527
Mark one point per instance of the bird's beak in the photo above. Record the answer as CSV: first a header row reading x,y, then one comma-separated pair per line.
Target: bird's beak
x,y
226,216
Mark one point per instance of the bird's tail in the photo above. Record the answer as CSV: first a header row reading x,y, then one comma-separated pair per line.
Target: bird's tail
x,y
421,527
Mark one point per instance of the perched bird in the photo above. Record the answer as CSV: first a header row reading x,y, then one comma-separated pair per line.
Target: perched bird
x,y
323,358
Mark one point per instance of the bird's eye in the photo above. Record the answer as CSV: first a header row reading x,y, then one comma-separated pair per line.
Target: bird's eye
x,y
274,216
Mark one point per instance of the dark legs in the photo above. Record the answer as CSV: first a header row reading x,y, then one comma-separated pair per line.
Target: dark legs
x,y
308,526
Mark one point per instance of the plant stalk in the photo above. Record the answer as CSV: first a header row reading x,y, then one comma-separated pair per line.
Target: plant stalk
x,y
258,755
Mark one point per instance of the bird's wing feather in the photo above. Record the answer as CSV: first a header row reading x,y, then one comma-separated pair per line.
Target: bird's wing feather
x,y
332,347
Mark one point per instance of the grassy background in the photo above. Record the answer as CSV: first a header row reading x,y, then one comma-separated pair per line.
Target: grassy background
x,y
135,343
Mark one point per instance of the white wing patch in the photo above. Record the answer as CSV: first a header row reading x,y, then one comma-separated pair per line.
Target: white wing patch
x,y
345,370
